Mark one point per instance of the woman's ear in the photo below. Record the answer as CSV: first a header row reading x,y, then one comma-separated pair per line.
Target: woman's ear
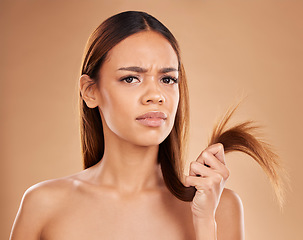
x,y
88,89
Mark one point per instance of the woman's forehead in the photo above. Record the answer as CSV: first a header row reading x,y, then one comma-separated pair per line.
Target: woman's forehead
x,y
143,49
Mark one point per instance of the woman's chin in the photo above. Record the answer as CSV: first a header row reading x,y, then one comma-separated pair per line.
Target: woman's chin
x,y
146,141
149,142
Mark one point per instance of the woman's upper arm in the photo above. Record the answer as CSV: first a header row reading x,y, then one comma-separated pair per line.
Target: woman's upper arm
x,y
230,216
32,214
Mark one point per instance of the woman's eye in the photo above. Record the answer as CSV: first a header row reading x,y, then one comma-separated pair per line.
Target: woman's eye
x,y
169,80
130,79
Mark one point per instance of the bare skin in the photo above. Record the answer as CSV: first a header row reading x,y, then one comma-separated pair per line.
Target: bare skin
x,y
74,208
103,212
124,195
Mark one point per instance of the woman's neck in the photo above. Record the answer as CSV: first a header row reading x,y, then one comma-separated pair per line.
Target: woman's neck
x,y
129,168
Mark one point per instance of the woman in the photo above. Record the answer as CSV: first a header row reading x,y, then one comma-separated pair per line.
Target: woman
x,y
134,117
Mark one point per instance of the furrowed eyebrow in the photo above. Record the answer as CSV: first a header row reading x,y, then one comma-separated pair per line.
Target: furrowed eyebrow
x,y
134,69
166,70
143,70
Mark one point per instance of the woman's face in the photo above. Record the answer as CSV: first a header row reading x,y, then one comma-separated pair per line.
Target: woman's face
x,y
138,89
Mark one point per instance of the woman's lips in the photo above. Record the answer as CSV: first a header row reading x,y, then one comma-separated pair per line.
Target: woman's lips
x,y
152,119
151,122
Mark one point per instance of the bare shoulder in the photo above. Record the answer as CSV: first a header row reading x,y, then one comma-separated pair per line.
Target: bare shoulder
x,y
230,216
230,203
39,203
48,193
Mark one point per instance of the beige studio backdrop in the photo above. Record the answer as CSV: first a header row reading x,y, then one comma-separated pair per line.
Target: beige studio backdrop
x,y
230,49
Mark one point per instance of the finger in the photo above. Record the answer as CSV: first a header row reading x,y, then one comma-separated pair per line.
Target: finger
x,y
209,160
201,183
218,150
197,182
199,169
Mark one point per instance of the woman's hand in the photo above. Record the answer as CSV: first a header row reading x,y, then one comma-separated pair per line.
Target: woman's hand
x,y
208,175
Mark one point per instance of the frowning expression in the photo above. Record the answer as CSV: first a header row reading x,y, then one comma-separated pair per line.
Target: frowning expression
x,y
138,88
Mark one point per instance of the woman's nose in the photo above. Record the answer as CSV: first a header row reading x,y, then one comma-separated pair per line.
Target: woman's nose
x,y
153,95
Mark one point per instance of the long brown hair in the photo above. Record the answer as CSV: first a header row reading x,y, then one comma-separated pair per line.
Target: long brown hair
x,y
171,150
